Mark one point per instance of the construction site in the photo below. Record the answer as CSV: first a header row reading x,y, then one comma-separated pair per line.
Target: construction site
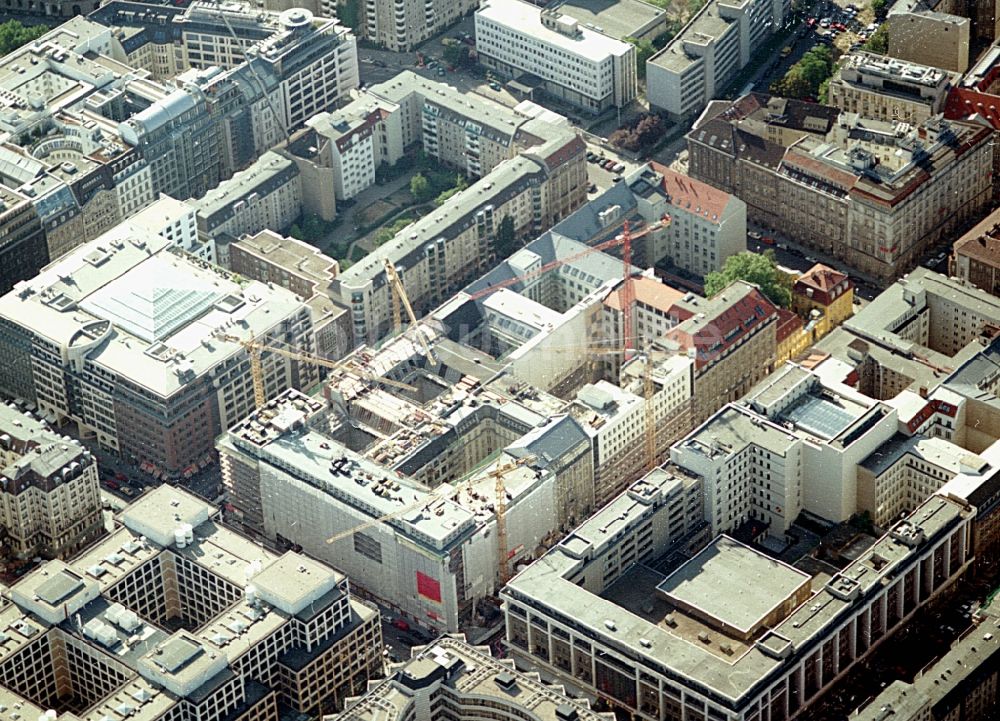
x,y
472,439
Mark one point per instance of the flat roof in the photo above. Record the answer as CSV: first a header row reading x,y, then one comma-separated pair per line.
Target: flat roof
x,y
525,18
733,584
620,19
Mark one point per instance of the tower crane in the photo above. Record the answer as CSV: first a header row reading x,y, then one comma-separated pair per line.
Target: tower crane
x,y
399,296
254,348
503,554
464,482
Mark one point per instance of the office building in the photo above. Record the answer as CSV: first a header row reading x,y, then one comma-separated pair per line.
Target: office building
x,y
305,271
174,615
873,194
659,640
464,682
885,88
22,241
50,499
961,684
568,60
700,62
126,337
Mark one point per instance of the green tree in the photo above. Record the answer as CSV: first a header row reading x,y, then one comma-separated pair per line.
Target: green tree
x,y
644,50
349,13
806,77
757,268
421,188
880,8
457,55
506,240
879,41
13,35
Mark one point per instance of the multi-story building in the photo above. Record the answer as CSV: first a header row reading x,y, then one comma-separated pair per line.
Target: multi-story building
x,y
22,240
131,339
706,55
826,291
304,270
265,195
732,340
51,500
976,255
174,615
401,25
466,682
912,21
875,195
961,684
885,88
662,641
294,476
707,225
574,63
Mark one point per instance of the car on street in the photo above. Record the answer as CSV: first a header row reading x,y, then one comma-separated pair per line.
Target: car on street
x,y
592,188
494,85
401,624
591,156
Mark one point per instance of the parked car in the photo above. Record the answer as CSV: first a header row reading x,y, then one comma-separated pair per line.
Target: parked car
x,y
111,483
591,156
128,491
619,168
494,85
786,51
592,188
608,164
754,235
824,23
401,624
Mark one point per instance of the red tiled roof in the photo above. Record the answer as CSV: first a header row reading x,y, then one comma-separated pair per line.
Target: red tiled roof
x,y
963,102
692,195
821,277
788,323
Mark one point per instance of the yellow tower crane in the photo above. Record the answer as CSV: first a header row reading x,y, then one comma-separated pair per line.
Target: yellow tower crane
x,y
503,554
464,482
254,348
399,296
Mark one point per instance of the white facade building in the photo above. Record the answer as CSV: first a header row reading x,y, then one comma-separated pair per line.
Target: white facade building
x,y
710,50
579,65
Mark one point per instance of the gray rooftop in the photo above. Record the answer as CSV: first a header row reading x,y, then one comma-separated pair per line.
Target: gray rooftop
x,y
733,584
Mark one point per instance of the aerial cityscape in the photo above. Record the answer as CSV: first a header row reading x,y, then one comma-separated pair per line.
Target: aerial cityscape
x,y
478,360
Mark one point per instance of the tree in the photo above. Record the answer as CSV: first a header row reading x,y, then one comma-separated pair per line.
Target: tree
x,y
644,50
420,187
506,240
880,8
759,269
805,78
349,13
457,55
13,35
879,41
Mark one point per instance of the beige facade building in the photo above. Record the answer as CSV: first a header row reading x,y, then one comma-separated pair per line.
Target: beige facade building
x,y
913,22
176,616
733,340
401,25
884,88
873,194
976,255
304,270
50,501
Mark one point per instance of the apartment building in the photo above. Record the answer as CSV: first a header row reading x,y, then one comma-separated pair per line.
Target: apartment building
x,y
573,62
912,21
465,682
666,643
700,62
886,88
126,337
306,272
826,291
976,255
875,195
175,615
706,226
265,195
732,340
51,500
401,25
